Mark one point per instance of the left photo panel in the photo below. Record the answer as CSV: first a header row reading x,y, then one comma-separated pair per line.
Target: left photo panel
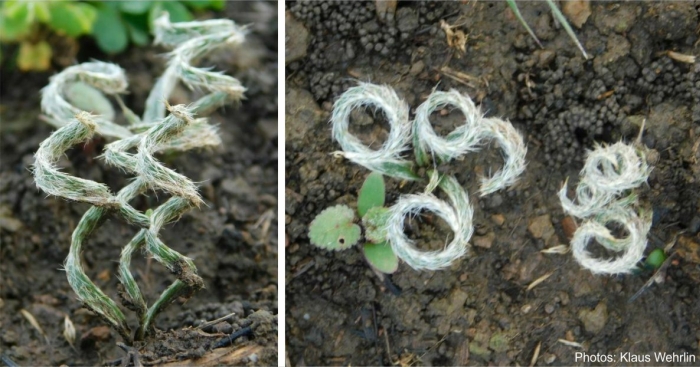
x,y
139,183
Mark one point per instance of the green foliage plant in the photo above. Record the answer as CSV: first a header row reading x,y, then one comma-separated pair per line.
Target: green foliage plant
x,y
113,24
335,228
385,225
161,128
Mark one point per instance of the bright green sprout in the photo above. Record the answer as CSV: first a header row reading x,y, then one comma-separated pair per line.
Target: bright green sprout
x,y
335,228
655,259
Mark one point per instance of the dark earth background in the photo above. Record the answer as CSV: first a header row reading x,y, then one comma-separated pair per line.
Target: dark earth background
x,y
480,311
233,239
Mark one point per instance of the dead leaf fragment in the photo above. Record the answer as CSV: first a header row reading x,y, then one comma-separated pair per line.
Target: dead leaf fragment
x,y
69,331
455,38
577,11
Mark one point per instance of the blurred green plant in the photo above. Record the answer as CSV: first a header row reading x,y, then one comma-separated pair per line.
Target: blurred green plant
x,y
113,24
335,228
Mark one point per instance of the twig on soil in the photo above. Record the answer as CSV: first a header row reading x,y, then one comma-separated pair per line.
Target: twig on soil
x,y
27,315
460,77
659,274
536,354
539,280
571,344
214,322
688,59
560,249
388,348
225,342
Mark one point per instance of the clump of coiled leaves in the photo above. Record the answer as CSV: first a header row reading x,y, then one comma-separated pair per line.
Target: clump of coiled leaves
x,y
429,149
605,195
162,127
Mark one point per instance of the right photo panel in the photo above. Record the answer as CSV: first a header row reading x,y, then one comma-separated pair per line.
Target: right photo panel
x,y
492,183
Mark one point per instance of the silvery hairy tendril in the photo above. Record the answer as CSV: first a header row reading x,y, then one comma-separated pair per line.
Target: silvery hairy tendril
x,y
155,132
608,173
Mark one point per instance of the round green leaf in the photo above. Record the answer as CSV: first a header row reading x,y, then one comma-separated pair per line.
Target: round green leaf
x,y
371,194
655,258
15,21
333,229
137,25
72,19
374,222
111,33
135,7
381,257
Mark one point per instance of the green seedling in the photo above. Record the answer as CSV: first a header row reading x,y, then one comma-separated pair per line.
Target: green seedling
x,y
75,103
557,14
655,259
335,228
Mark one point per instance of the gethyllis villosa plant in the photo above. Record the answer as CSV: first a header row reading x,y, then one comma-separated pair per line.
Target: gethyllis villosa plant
x,y
133,152
605,194
429,149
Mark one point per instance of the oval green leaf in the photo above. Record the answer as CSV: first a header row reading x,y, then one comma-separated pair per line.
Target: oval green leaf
x,y
111,34
15,21
655,259
371,194
333,229
381,257
135,7
72,19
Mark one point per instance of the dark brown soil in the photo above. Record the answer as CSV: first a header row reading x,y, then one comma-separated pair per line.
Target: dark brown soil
x,y
232,239
480,311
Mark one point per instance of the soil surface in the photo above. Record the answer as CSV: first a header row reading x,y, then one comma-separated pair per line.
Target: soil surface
x,y
481,310
232,239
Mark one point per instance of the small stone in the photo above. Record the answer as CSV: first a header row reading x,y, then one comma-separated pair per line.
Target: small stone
x,y
549,308
298,40
541,227
485,241
549,358
499,219
569,226
526,309
417,68
594,320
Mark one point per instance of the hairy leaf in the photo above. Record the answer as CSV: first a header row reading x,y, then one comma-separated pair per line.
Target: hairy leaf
x,y
333,229
374,222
